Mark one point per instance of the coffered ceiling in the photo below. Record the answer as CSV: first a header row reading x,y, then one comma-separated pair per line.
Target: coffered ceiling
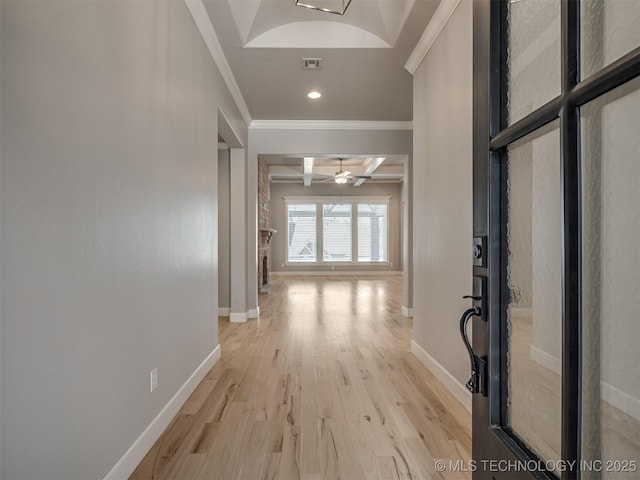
x,y
361,169
362,75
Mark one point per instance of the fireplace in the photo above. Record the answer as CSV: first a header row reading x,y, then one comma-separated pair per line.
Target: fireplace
x,y
264,252
265,270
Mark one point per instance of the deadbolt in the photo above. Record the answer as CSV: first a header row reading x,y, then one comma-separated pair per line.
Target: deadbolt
x,y
478,251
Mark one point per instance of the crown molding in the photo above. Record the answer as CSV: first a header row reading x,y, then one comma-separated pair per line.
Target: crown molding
x,y
329,125
434,27
203,22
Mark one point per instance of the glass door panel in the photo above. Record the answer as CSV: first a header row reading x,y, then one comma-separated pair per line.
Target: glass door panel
x,y
534,280
533,55
611,282
557,288
609,30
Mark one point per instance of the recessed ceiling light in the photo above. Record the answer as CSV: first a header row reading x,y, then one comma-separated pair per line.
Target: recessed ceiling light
x,y
314,95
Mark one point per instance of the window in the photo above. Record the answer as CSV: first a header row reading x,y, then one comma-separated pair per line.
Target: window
x,y
301,233
337,230
372,233
336,233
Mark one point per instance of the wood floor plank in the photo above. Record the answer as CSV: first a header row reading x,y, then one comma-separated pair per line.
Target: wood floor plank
x,y
387,468
270,467
190,468
322,386
309,441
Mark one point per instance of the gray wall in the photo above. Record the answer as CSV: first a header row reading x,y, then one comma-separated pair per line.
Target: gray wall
x,y
224,229
442,201
279,222
108,222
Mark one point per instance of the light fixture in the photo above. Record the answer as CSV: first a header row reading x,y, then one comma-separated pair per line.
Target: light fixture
x,y
314,95
330,6
341,176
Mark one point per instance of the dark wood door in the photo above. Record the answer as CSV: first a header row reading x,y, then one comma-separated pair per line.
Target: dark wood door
x,y
533,91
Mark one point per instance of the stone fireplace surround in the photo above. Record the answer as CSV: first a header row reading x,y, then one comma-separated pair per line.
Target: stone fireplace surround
x,y
265,232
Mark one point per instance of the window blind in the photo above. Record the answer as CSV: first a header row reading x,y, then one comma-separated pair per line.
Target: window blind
x,y
372,233
336,232
301,233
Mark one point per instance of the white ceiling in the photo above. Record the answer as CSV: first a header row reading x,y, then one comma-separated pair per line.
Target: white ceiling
x,y
364,52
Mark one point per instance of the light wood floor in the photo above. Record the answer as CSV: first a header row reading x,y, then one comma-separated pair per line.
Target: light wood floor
x,y
322,386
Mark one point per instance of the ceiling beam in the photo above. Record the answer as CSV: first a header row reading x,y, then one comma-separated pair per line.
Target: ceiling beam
x,y
307,171
291,170
295,174
370,165
285,171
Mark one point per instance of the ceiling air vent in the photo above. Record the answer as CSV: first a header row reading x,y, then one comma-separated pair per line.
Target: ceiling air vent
x,y
311,63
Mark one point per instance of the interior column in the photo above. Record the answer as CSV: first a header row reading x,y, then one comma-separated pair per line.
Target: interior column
x,y
238,222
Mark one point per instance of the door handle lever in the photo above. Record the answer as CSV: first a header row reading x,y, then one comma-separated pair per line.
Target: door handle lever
x,y
474,383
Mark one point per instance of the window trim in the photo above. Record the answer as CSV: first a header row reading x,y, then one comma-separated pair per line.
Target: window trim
x,y
354,201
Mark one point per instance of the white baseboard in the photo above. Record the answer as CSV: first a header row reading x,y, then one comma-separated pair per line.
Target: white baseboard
x,y
238,317
546,359
224,311
132,457
407,312
328,273
254,312
449,381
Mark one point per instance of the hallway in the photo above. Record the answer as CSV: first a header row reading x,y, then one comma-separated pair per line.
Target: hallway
x,y
323,385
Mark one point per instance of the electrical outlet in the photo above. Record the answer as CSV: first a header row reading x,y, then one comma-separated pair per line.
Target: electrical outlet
x,y
153,383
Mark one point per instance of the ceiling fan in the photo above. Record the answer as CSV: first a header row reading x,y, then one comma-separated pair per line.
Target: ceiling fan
x,y
341,176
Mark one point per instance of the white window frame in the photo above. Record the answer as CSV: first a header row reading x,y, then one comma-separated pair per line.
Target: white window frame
x,y
343,200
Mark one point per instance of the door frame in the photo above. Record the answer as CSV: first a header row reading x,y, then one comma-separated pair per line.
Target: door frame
x,y
491,136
